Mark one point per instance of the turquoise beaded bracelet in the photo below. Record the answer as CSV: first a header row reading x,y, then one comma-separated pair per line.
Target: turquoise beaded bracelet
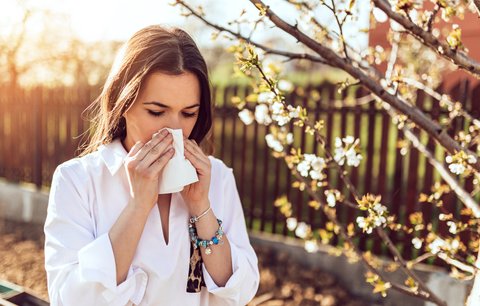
x,y
197,242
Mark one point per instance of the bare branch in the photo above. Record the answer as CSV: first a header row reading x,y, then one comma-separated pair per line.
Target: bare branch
x,y
411,111
398,257
421,258
431,92
419,294
290,55
444,173
432,17
459,58
460,265
462,194
477,6
340,26
425,291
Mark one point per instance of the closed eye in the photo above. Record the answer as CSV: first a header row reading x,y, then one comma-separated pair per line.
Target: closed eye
x,y
158,114
189,114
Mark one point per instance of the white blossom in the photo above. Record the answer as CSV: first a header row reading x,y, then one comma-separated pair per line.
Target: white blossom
x,y
281,119
417,243
311,246
362,223
436,245
246,116
294,112
277,107
318,163
289,138
265,97
273,143
345,151
303,167
379,221
302,230
379,208
309,157
452,227
284,85
472,159
353,159
455,244
338,142
261,114
377,217
457,168
339,155
348,140
291,223
317,174
312,165
331,199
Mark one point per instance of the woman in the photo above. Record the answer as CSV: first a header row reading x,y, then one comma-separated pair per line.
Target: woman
x,y
110,237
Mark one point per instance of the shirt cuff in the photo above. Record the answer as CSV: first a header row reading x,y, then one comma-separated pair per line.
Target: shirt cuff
x,y
97,264
232,287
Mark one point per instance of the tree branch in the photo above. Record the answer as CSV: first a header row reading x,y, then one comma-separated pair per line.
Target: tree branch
x,y
412,112
462,194
419,294
458,58
238,35
477,6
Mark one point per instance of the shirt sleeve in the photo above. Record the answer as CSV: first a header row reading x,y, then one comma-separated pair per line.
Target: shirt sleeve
x,y
81,267
242,286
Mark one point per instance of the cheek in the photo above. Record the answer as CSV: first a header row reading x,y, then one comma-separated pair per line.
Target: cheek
x,y
142,127
188,127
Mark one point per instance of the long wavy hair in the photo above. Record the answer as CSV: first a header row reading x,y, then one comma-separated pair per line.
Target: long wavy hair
x,y
151,49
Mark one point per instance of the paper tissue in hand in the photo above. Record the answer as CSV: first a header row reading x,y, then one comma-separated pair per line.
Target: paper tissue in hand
x,y
179,171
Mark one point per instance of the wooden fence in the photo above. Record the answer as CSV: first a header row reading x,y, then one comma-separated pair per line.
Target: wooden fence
x,y
40,128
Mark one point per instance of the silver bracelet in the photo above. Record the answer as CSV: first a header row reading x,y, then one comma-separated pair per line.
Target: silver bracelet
x,y
195,218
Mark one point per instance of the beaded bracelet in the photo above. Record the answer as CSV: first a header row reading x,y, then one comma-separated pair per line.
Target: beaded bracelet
x,y
197,242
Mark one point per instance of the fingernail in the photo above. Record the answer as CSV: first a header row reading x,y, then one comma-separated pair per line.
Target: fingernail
x,y
164,132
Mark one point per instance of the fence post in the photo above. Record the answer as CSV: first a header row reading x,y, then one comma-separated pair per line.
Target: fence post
x,y
38,141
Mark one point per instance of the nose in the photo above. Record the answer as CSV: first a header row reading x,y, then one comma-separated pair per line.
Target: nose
x,y
173,123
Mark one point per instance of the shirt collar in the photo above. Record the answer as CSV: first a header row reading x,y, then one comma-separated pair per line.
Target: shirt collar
x,y
113,155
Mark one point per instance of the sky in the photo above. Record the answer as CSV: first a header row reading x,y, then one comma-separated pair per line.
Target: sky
x,y
93,20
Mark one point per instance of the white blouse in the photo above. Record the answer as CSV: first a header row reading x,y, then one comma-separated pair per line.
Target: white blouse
x,y
87,196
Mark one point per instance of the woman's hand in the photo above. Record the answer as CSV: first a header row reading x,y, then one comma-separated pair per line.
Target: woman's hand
x,y
143,164
196,195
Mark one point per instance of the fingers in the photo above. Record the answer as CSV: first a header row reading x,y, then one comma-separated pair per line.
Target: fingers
x,y
157,137
156,152
134,150
192,148
160,162
196,155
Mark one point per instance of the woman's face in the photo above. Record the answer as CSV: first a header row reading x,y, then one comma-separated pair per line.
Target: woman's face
x,y
164,100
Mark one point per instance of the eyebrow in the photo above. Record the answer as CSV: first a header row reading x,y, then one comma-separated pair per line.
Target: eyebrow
x,y
166,106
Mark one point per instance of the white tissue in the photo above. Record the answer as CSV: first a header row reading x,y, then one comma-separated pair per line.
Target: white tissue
x,y
179,171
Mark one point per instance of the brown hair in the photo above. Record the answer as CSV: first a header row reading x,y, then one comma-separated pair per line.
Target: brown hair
x,y
151,49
